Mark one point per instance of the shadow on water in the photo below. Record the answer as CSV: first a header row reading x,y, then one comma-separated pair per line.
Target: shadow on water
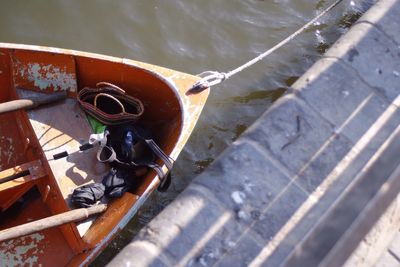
x,y
259,95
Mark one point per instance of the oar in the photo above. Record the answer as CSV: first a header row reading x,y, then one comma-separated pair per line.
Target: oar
x,y
49,222
31,103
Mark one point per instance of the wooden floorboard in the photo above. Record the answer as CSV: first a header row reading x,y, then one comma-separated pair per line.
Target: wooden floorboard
x,y
63,127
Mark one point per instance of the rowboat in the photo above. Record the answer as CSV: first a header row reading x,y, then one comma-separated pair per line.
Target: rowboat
x,y
37,187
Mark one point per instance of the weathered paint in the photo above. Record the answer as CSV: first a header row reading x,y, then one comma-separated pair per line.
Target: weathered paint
x,y
22,251
45,76
6,150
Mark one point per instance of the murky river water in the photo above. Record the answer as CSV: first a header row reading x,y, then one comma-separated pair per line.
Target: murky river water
x,y
191,36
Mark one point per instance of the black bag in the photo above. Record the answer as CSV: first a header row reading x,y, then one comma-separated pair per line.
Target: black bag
x,y
131,146
87,195
117,182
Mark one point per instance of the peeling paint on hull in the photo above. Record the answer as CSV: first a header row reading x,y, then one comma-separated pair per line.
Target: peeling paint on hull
x,y
46,76
21,251
6,150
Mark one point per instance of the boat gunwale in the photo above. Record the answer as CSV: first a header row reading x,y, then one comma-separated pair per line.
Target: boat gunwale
x,y
145,67
188,117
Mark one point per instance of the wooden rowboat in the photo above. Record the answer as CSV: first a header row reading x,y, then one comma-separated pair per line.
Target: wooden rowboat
x,y
29,139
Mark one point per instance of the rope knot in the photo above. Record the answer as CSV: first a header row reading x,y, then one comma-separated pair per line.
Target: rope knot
x,y
208,79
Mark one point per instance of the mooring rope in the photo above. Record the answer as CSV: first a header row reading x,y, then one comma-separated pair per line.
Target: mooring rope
x,y
211,78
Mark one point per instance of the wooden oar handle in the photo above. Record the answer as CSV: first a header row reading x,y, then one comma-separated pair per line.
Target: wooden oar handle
x,y
31,103
15,105
49,222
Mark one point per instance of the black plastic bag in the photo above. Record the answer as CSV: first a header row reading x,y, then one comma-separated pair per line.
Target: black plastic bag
x,y
117,182
87,195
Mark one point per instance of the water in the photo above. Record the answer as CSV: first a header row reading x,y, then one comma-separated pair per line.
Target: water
x,y
191,36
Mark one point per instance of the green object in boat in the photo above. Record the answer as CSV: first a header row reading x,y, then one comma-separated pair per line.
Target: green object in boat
x,y
97,126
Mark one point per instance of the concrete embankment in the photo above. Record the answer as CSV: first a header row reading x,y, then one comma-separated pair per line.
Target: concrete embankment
x,y
262,199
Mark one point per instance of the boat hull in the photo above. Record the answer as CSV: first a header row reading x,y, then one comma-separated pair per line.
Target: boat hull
x,y
32,137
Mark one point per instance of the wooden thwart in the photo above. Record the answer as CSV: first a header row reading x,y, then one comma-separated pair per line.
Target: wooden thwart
x,y
49,222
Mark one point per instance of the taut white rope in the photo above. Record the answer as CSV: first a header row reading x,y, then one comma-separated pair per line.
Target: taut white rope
x,y
211,78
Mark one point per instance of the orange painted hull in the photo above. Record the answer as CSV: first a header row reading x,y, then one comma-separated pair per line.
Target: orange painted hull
x,y
27,140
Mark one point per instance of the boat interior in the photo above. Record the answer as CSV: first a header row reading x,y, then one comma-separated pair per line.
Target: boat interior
x,y
30,139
